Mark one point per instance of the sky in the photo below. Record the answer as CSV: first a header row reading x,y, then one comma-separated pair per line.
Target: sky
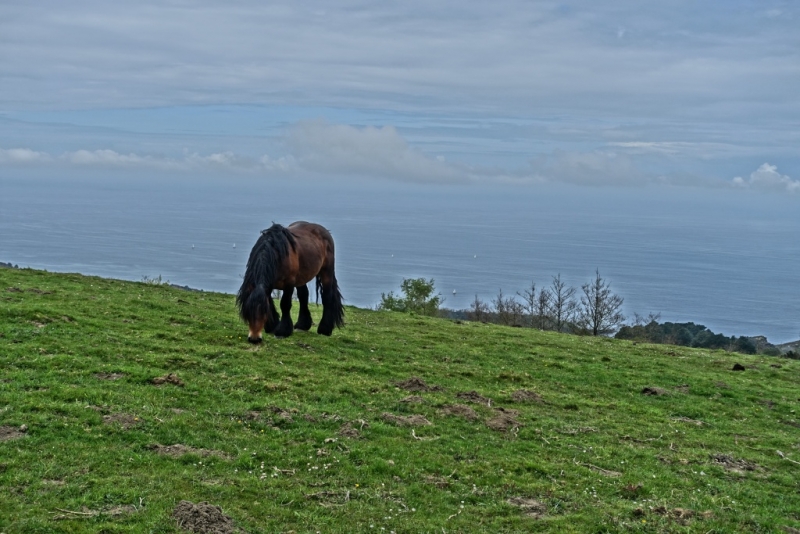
x,y
622,93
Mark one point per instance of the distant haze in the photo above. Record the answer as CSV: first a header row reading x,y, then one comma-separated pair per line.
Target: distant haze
x,y
656,141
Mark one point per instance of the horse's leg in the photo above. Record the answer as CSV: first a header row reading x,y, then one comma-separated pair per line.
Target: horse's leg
x,y
274,317
285,328
304,320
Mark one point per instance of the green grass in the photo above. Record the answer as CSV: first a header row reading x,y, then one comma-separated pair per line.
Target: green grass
x,y
597,454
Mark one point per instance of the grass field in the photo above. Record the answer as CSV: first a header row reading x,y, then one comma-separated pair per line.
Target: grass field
x,y
119,400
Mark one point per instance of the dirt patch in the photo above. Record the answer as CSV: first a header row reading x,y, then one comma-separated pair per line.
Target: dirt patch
x,y
460,410
530,507
170,378
7,433
109,376
39,291
734,465
683,388
405,420
722,385
349,430
524,395
13,290
203,518
412,399
283,415
178,450
688,420
504,420
125,420
474,396
435,480
86,513
738,367
416,384
654,391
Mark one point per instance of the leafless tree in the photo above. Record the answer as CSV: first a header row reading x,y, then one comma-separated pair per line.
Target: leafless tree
x,y
600,308
528,297
478,310
563,306
508,310
543,300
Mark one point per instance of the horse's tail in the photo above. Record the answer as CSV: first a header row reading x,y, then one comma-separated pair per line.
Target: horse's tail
x,y
337,303
332,305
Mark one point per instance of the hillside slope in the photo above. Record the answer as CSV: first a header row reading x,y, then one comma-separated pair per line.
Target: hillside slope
x,y
118,400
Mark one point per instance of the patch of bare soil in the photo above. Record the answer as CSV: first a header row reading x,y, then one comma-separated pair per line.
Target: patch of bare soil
x,y
170,378
524,395
405,420
178,450
504,420
734,465
86,513
460,410
13,290
530,507
7,433
412,399
348,430
738,367
683,388
125,420
680,515
283,415
654,391
722,385
109,376
435,480
474,396
203,518
416,384
688,420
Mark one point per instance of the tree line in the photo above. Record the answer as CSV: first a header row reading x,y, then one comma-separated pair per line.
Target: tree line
x,y
596,310
593,310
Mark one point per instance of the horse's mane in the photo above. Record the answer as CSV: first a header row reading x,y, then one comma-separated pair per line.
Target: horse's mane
x,y
262,270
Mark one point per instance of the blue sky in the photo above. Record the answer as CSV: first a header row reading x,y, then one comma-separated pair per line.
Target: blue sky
x,y
617,93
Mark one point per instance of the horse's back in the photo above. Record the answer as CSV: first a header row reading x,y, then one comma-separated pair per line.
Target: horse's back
x,y
315,250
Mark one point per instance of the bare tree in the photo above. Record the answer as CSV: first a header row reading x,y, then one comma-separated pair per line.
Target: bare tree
x,y
600,308
478,310
528,297
543,320
563,305
508,310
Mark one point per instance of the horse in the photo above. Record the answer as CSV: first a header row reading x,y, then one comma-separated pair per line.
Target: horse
x,y
286,258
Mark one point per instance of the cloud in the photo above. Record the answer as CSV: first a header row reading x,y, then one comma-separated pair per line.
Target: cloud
x,y
597,168
22,156
368,151
767,177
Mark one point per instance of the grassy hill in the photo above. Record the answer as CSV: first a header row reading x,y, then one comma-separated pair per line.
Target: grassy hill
x,y
118,400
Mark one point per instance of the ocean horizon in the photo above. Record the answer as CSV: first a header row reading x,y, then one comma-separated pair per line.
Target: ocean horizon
x,y
722,258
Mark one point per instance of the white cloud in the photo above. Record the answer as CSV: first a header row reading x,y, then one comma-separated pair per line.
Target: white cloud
x,y
369,151
596,168
22,156
767,177
110,158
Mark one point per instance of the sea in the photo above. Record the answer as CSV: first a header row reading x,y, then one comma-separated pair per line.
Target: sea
x,y
727,259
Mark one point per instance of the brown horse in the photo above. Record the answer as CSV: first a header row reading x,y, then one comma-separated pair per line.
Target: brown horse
x,y
285,259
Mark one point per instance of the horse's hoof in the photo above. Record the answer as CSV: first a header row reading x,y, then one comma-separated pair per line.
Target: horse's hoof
x,y
254,340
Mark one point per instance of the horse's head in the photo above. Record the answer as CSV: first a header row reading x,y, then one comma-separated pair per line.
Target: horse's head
x,y
254,309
